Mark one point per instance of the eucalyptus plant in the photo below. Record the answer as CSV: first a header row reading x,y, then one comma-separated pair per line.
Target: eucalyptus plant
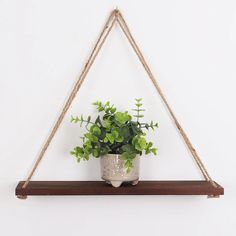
x,y
114,132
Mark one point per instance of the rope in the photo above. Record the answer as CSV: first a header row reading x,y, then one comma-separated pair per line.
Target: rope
x,y
126,30
115,16
105,32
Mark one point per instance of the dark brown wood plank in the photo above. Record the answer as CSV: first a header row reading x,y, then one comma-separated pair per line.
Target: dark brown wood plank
x,y
101,188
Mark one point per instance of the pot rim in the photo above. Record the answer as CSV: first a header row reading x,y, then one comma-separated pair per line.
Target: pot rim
x,y
110,154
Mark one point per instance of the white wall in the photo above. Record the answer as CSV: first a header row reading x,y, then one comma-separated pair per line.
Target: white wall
x,y
191,48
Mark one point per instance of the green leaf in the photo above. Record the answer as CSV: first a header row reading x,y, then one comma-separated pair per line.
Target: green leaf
x,y
105,140
119,139
95,153
113,110
98,121
88,120
139,142
95,130
71,119
138,104
149,144
154,151
87,145
139,116
110,138
127,148
107,103
74,119
97,103
142,142
115,134
128,165
124,132
138,99
122,117
91,137
107,124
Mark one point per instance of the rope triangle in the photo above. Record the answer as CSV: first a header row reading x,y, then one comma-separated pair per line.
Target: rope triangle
x,y
117,17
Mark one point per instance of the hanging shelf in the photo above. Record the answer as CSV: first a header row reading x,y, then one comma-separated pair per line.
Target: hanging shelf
x,y
189,187
179,187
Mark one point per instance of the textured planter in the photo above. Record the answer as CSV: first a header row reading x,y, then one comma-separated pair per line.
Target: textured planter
x,y
114,172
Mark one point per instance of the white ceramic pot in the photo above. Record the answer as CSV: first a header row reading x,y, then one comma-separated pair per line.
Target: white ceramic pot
x,y
114,172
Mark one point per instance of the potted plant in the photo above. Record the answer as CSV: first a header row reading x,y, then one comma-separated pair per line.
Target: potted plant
x,y
118,138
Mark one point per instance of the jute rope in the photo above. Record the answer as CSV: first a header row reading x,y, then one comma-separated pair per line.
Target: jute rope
x,y
121,21
105,32
115,16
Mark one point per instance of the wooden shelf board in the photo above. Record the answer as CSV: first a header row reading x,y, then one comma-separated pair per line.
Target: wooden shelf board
x,y
182,187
